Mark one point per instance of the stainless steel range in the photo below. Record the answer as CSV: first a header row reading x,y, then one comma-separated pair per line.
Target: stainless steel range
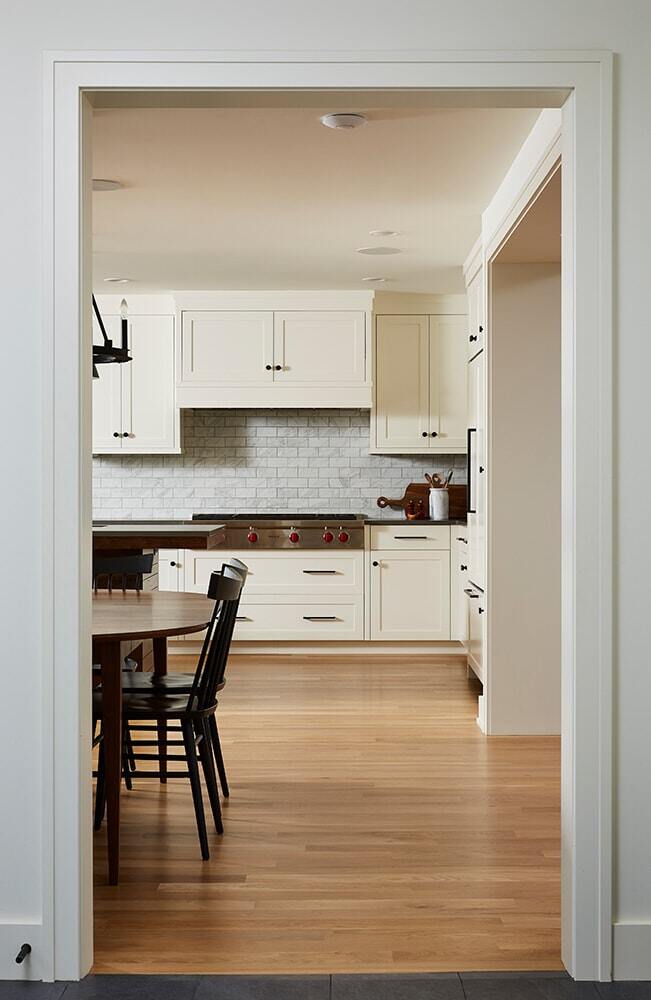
x,y
290,531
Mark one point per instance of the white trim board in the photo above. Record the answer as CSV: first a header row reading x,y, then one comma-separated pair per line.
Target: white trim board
x,y
587,442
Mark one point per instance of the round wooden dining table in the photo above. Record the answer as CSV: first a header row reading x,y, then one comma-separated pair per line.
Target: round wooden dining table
x,y
117,617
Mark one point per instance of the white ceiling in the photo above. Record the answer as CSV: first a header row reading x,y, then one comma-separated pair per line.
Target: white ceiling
x,y
267,198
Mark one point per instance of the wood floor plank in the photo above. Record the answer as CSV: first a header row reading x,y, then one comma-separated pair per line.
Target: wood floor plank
x,y
371,828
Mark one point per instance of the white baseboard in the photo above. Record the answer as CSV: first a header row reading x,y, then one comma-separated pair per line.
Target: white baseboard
x,y
632,951
363,647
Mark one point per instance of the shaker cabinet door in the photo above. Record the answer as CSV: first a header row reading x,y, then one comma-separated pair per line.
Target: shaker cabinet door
x,y
227,348
410,595
402,405
320,347
148,410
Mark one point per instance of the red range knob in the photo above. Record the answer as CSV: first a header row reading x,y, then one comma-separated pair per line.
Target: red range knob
x,y
294,536
343,537
328,536
252,536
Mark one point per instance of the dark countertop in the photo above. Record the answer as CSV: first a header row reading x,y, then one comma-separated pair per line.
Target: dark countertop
x,y
404,520
139,535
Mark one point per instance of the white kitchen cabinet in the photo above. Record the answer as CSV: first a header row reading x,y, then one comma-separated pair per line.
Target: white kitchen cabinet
x,y
477,471
476,620
420,385
410,535
458,586
303,573
222,349
410,595
170,570
319,347
476,323
284,619
133,403
274,358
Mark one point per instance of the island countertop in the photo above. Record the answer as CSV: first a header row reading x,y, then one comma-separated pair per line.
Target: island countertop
x,y
111,536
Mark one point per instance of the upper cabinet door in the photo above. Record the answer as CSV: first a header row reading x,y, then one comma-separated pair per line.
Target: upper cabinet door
x,y
448,384
402,383
107,395
148,410
476,325
320,347
227,348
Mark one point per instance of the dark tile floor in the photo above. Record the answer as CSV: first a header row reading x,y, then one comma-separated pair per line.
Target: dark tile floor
x,y
437,986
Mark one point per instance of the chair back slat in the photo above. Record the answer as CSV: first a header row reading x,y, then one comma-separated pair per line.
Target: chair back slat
x,y
123,572
225,589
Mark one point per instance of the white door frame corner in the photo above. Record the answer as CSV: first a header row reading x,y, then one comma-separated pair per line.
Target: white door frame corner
x,y
587,443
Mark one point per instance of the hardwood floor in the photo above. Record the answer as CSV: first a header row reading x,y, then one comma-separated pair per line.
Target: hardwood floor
x,y
371,828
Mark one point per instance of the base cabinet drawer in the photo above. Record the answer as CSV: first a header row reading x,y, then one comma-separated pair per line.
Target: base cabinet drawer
x,y
410,536
476,619
341,620
458,586
300,573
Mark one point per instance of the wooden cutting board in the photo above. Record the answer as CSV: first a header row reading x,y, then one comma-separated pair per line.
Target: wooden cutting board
x,y
420,491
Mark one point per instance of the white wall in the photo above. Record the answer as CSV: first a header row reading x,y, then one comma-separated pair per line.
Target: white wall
x,y
525,484
297,24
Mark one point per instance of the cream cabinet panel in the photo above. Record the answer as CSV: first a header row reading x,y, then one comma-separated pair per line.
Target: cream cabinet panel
x,y
476,325
476,619
410,595
287,620
149,415
170,569
133,403
320,347
458,586
477,471
227,347
448,384
410,536
402,404
301,573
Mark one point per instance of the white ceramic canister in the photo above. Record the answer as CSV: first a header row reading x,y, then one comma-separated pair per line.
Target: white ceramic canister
x,y
439,504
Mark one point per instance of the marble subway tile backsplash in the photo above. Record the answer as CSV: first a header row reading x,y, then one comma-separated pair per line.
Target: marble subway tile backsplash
x,y
261,460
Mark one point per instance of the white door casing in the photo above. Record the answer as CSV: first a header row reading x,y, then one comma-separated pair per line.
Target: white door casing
x,y
587,440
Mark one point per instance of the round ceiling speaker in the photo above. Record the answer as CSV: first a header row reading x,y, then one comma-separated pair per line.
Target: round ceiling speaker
x,y
343,120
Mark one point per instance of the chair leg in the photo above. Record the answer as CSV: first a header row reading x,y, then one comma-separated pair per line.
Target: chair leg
x,y
208,765
161,725
100,789
128,742
219,760
195,784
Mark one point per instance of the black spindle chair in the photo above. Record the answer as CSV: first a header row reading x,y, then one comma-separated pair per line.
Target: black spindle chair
x,y
190,713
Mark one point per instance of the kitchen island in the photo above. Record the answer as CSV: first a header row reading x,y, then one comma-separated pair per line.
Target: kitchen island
x,y
140,536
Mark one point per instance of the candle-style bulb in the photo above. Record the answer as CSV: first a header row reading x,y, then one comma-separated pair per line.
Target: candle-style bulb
x,y
124,309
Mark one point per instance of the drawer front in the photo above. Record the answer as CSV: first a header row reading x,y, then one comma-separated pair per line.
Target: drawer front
x,y
339,620
410,536
476,619
300,573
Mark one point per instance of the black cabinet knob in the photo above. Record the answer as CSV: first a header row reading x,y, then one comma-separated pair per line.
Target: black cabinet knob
x,y
481,329
461,567
268,367
115,434
376,563
472,337
424,434
435,434
480,610
279,368
172,563
126,434
481,468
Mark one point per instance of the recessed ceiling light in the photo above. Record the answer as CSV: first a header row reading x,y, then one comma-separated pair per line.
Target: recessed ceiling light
x,y
343,120
103,184
118,281
377,281
378,251
384,232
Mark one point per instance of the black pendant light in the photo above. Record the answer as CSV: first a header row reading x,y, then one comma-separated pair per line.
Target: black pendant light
x,y
107,353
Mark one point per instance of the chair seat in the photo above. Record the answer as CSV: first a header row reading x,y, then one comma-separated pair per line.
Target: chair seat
x,y
152,705
146,682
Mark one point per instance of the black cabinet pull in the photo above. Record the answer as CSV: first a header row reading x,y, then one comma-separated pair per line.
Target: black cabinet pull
x,y
115,434
268,367
481,468
435,434
480,610
424,434
462,567
472,338
319,618
469,592
242,618
376,563
320,572
125,434
481,329
410,538
172,563
279,368
464,540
